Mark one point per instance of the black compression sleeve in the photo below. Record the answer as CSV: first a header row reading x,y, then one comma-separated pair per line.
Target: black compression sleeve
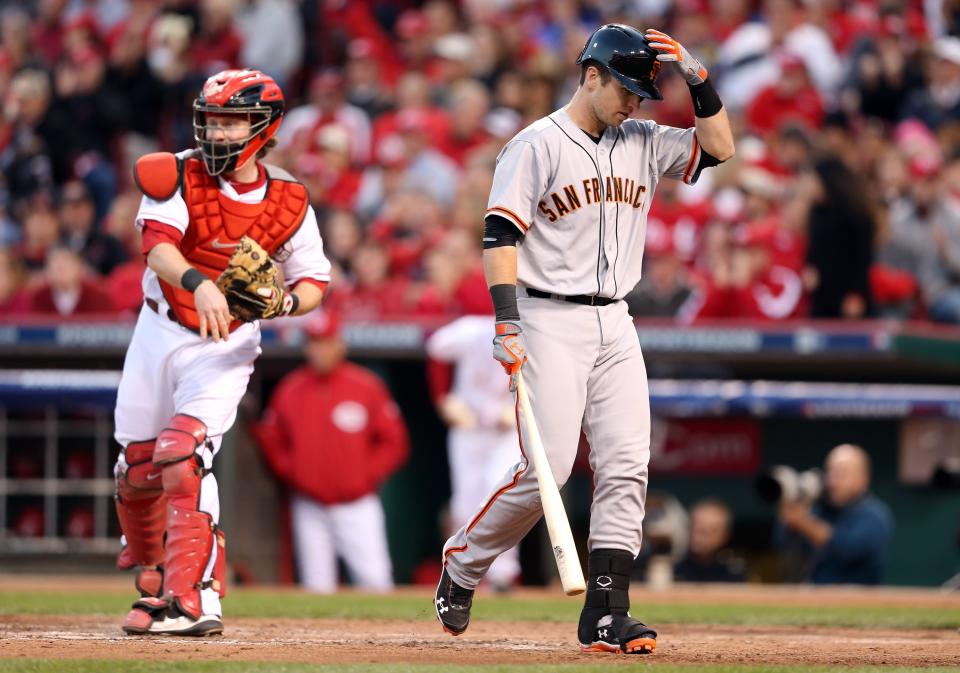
x,y
499,231
706,100
505,302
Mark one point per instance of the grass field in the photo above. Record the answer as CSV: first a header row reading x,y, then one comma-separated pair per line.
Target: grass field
x,y
532,608
64,624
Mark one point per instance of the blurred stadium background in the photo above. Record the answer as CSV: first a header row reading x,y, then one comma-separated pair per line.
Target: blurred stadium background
x,y
805,294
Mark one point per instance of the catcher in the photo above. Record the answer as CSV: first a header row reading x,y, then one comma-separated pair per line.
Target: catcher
x,y
220,232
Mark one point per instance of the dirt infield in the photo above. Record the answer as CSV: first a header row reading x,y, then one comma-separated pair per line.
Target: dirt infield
x,y
419,642
359,641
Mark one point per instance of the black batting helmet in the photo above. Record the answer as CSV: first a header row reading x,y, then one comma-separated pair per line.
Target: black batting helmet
x,y
625,52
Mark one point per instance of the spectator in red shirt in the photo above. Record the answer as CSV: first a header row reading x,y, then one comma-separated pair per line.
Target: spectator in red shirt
x,y
470,103
413,93
66,290
792,98
370,76
332,435
675,224
373,294
753,286
327,106
48,30
126,280
415,43
328,174
217,46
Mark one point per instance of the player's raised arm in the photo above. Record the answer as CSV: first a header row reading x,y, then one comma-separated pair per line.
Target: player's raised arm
x,y
713,128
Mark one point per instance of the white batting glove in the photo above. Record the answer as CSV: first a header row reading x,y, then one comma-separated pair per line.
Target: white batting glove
x,y
671,50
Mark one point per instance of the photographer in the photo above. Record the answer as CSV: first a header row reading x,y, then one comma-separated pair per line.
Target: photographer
x,y
849,529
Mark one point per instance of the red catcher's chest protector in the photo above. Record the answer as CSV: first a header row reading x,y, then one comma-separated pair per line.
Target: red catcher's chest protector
x,y
217,222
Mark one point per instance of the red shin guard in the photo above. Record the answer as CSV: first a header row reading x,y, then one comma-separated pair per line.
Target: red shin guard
x,y
141,509
190,536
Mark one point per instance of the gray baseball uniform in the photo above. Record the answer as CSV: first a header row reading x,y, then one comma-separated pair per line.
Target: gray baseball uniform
x,y
582,207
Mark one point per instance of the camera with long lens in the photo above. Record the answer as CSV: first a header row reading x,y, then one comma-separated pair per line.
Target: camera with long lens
x,y
783,483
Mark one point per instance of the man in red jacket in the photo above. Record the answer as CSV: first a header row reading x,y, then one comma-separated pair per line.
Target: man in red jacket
x,y
333,434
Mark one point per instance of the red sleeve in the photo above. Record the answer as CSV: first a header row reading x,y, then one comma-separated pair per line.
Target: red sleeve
x,y
272,436
439,378
157,232
322,284
389,444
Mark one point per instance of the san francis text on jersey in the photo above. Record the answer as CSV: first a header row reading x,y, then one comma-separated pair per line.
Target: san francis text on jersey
x,y
587,192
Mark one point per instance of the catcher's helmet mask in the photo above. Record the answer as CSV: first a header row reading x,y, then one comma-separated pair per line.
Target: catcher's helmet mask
x,y
625,52
236,92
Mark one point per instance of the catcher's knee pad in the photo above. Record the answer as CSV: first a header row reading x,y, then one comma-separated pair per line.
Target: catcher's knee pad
x,y
141,508
179,440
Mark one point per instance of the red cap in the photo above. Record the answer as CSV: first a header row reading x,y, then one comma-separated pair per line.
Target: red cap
x,y
361,47
326,80
413,120
760,234
790,61
322,325
891,25
924,166
85,55
659,245
85,22
411,23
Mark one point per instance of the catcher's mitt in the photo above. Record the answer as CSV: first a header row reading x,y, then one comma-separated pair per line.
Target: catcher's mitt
x,y
251,284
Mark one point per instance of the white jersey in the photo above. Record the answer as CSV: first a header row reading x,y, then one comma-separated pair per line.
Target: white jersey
x,y
583,205
477,378
302,255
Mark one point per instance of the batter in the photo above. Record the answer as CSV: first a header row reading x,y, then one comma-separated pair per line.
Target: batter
x,y
189,361
563,244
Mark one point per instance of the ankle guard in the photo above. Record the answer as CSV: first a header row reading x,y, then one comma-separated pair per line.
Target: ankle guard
x,y
608,589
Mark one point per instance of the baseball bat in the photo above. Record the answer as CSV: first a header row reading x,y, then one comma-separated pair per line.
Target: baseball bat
x,y
561,537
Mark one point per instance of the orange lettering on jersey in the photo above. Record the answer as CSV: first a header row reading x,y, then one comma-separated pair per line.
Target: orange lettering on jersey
x,y
596,188
609,190
618,189
571,193
586,190
552,216
560,205
628,190
638,199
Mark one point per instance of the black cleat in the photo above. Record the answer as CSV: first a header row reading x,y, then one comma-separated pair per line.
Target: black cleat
x,y
621,633
452,605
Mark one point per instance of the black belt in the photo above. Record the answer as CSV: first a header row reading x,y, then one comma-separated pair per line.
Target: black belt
x,y
587,299
155,307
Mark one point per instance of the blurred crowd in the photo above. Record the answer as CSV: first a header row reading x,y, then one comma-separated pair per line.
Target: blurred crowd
x,y
843,200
